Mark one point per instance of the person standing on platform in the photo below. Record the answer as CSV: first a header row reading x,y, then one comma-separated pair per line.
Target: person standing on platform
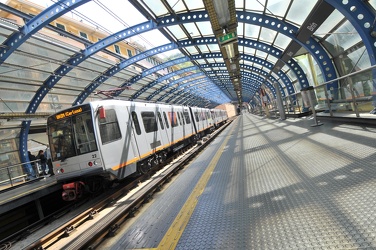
x,y
31,166
47,155
43,161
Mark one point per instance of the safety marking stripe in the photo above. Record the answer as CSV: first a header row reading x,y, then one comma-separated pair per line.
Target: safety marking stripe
x,y
171,238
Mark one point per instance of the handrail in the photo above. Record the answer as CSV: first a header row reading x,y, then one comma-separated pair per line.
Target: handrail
x,y
21,167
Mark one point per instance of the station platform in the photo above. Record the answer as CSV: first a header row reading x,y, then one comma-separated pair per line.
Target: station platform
x,y
28,192
267,184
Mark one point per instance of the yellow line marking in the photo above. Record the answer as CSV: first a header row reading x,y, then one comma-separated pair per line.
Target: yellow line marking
x,y
172,236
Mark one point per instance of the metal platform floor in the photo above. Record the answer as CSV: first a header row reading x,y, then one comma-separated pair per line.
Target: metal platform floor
x,y
28,192
268,184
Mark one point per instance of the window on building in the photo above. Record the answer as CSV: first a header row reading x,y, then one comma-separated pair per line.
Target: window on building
x,y
129,52
60,26
117,49
83,35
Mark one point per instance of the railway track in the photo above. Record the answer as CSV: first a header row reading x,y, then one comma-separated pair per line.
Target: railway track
x,y
87,228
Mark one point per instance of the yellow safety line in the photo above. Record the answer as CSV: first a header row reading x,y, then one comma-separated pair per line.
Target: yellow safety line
x,y
171,238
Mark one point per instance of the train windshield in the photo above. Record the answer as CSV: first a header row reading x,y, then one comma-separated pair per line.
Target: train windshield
x,y
71,136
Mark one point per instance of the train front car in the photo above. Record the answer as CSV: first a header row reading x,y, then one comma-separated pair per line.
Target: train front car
x,y
74,149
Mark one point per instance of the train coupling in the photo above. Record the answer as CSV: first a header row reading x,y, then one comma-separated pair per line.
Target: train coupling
x,y
73,191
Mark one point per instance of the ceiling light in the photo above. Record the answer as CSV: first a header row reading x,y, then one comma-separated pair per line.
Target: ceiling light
x,y
230,50
223,13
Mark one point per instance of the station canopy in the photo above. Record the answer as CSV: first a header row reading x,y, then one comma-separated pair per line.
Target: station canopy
x,y
207,53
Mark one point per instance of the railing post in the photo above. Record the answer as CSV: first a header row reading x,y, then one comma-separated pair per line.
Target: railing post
x,y
10,176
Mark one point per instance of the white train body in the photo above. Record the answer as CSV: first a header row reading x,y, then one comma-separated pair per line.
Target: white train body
x,y
219,116
115,139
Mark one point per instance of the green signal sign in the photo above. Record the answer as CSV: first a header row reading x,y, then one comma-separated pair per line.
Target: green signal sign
x,y
228,37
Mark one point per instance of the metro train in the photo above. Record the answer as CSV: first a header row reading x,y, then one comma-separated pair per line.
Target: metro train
x,y
112,139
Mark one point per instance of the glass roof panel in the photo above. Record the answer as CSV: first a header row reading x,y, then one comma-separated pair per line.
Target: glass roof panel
x,y
203,48
213,47
193,5
261,54
192,50
211,60
249,51
177,6
282,41
267,35
344,37
239,4
178,32
272,59
251,31
255,6
372,3
192,29
158,8
205,28
277,7
329,23
299,11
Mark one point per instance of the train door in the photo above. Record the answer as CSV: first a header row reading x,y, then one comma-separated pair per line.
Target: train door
x,y
163,125
117,142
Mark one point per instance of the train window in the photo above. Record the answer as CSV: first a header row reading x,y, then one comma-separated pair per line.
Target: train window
x,y
109,127
136,123
203,116
160,120
173,119
165,118
150,123
186,116
196,116
179,118
182,118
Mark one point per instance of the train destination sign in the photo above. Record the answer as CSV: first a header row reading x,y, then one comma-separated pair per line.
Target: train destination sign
x,y
68,113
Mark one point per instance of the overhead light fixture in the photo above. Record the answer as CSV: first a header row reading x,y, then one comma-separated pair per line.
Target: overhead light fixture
x,y
223,13
230,50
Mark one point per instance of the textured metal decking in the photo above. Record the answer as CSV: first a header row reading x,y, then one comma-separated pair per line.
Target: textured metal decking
x,y
277,185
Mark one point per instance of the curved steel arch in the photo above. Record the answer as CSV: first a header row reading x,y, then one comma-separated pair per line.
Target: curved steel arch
x,y
166,21
17,38
177,95
174,82
122,65
77,58
163,78
362,18
262,62
292,64
153,70
312,46
194,82
199,41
